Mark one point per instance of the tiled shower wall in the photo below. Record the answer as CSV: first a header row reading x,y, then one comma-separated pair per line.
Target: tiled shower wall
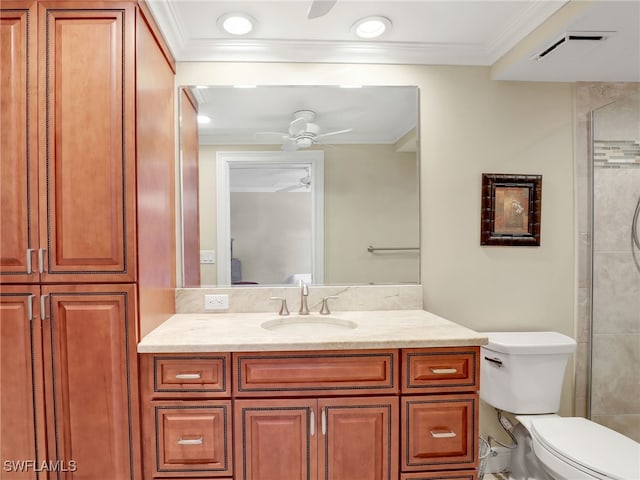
x,y
608,387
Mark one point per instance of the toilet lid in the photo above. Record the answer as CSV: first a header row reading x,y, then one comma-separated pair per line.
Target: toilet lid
x,y
589,445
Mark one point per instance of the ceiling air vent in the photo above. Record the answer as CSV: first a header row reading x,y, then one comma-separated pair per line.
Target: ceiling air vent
x,y
574,38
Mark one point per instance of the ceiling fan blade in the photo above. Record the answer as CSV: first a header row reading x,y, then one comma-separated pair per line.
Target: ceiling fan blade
x,y
334,133
319,8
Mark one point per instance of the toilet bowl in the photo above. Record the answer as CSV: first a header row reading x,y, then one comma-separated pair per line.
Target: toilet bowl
x,y
522,373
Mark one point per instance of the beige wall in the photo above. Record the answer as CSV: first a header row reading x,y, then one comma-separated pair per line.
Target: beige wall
x,y
470,125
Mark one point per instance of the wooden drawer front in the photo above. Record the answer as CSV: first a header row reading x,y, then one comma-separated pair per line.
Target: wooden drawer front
x,y
194,439
440,370
192,374
439,432
315,373
448,475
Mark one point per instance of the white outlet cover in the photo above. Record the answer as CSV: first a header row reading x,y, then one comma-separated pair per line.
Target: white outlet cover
x,y
216,302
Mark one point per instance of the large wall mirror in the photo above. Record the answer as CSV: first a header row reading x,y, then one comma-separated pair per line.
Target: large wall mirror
x,y
289,183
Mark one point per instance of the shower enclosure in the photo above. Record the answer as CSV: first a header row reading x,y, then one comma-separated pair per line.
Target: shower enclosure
x,y
615,266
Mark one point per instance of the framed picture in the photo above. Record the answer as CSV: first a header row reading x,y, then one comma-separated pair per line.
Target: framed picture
x,y
510,209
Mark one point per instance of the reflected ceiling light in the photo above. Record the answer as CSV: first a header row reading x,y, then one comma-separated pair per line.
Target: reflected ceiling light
x,y
236,23
204,119
371,27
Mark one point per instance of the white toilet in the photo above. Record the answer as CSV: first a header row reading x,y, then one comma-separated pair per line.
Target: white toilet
x,y
522,373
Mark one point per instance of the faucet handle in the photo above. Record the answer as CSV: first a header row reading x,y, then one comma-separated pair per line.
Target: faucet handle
x,y
283,306
324,310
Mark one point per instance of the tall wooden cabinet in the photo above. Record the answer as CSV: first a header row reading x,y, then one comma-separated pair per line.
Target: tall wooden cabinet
x,y
71,160
68,170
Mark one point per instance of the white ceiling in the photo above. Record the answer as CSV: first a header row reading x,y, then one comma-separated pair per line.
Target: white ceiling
x,y
430,32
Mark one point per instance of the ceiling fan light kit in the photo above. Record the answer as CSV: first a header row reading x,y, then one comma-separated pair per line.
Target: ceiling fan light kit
x,y
302,133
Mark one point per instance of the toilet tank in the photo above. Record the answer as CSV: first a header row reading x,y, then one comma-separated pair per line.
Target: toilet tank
x,y
522,372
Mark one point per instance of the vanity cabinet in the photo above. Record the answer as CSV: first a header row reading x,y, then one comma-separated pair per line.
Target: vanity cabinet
x,y
385,414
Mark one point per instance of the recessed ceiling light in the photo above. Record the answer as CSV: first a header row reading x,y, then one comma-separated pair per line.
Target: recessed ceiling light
x,y
371,27
204,119
236,23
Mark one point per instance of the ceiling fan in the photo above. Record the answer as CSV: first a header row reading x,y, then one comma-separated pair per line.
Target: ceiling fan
x,y
302,131
319,8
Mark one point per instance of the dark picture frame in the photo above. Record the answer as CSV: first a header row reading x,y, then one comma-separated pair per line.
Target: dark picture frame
x,y
511,209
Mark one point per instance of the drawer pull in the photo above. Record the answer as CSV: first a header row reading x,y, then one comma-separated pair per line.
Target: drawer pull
x,y
443,371
29,266
312,423
324,421
188,376
195,441
442,434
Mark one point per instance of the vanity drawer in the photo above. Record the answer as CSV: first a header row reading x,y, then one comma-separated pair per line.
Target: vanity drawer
x,y
207,375
440,370
193,439
315,373
439,432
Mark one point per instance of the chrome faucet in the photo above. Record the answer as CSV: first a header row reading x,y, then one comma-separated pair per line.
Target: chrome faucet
x,y
304,294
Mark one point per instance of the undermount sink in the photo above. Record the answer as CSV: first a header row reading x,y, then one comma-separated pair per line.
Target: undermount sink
x,y
309,325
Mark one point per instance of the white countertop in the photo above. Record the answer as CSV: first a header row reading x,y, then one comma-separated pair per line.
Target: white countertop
x,y
243,332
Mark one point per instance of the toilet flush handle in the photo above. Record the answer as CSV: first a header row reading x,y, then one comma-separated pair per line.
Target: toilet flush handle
x,y
496,361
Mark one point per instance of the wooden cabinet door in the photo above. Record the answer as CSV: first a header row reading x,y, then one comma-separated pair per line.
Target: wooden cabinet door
x,y
275,439
193,438
18,142
89,353
21,407
87,141
359,438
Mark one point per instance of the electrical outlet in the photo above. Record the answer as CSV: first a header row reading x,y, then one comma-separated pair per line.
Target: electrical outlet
x,y
207,256
216,302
